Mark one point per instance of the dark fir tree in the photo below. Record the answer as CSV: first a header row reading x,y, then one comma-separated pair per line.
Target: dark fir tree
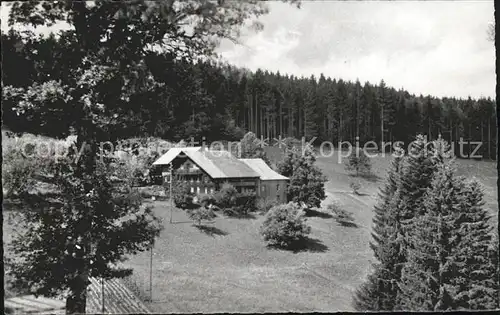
x,y
448,267
307,182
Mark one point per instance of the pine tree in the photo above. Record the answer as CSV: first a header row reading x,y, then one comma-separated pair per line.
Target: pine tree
x,y
449,265
307,182
408,180
358,162
379,291
476,251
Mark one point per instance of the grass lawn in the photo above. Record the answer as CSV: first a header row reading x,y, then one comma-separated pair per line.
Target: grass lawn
x,y
227,268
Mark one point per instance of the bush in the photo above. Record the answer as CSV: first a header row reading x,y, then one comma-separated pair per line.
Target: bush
x,y
284,226
226,196
265,204
355,186
206,200
19,171
183,198
245,202
200,214
341,216
233,203
152,191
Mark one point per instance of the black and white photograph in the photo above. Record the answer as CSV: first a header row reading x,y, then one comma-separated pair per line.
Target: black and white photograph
x,y
246,156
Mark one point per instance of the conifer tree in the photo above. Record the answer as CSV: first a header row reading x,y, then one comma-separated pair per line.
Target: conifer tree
x,y
358,162
378,292
448,267
307,182
407,182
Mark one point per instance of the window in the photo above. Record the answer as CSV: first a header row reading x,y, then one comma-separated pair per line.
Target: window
x,y
167,178
263,188
206,190
198,190
277,187
192,189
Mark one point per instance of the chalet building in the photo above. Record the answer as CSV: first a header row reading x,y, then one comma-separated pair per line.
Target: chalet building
x,y
207,170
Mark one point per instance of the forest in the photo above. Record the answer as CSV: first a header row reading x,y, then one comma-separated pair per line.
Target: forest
x,y
217,101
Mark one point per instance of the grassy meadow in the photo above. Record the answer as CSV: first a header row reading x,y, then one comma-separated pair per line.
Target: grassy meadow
x,y
226,267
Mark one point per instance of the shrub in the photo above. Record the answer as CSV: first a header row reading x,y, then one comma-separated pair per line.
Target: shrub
x,y
246,202
183,198
206,200
284,226
232,203
226,196
152,191
265,204
200,214
355,186
341,216
21,165
359,162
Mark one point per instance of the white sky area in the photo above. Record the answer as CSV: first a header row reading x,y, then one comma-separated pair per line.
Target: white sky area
x,y
439,48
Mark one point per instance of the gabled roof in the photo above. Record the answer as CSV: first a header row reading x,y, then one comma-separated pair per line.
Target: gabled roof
x,y
230,166
264,171
172,153
217,164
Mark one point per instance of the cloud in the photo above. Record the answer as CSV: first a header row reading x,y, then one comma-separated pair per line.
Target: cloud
x,y
432,47
437,48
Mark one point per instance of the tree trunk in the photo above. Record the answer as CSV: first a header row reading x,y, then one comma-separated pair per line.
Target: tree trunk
x,y
281,122
429,130
340,127
489,138
305,123
299,122
250,118
382,128
470,136
357,119
263,122
76,301
268,123
482,138
451,133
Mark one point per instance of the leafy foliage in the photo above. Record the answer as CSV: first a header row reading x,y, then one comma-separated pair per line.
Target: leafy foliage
x,y
20,162
182,195
250,148
266,204
200,214
226,196
101,69
284,226
206,200
95,233
342,216
233,203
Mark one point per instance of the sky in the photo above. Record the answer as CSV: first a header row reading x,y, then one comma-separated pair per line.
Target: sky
x,y
432,47
439,48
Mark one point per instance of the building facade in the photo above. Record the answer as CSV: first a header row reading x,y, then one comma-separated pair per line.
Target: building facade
x,y
206,171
